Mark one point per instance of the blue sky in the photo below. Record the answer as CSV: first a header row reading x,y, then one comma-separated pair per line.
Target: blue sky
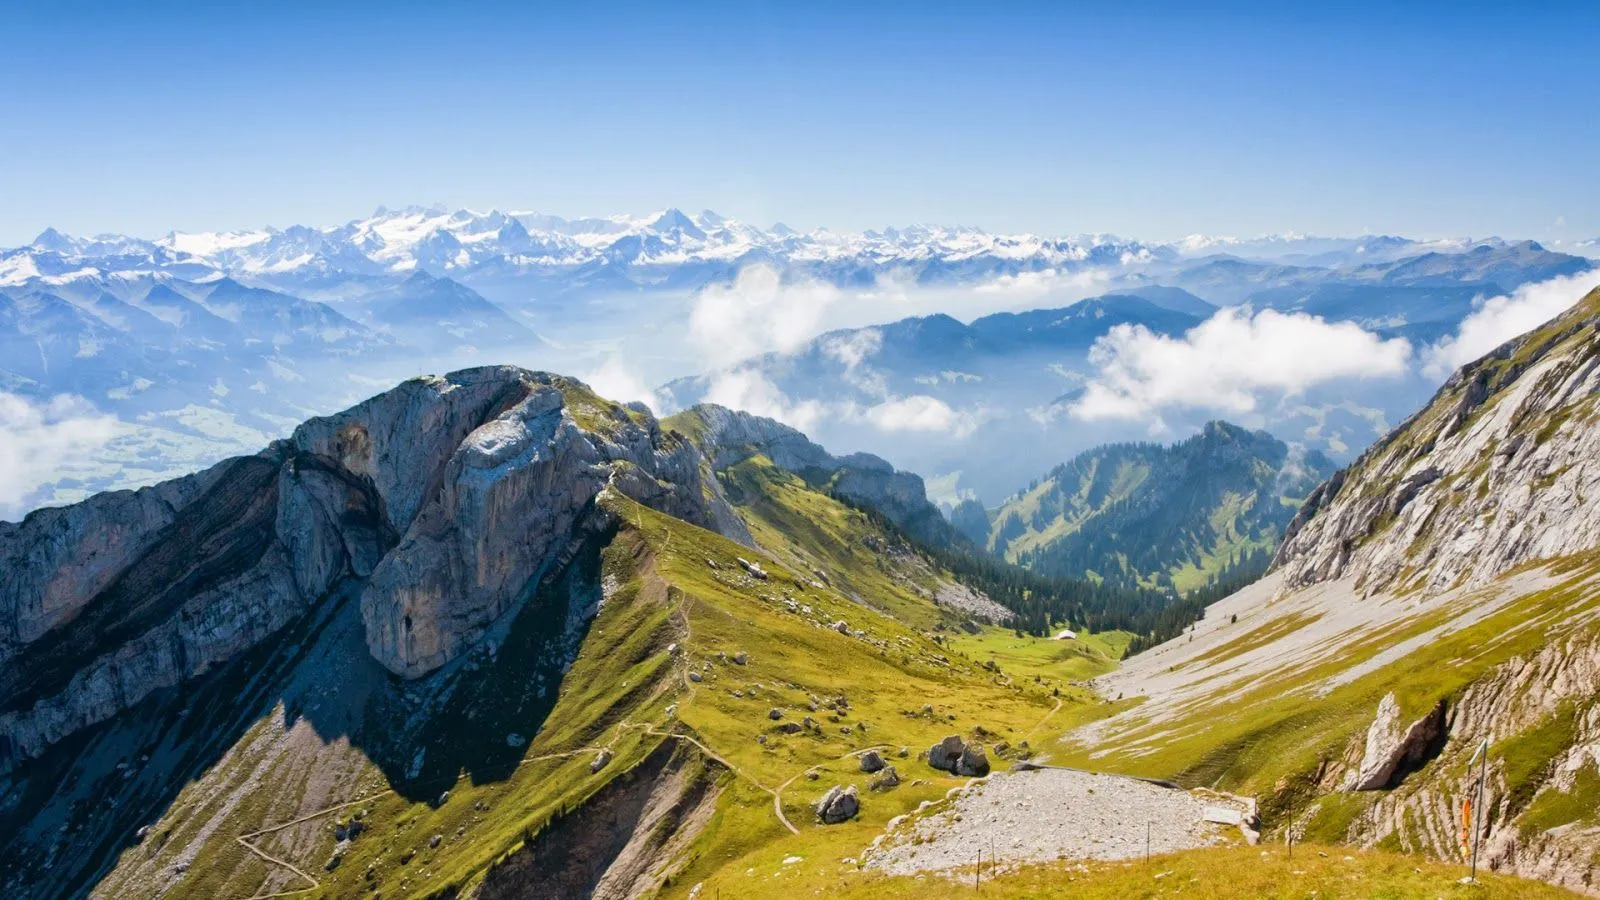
x,y
1151,120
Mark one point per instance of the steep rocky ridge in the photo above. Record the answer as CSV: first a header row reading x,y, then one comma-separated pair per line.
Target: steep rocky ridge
x,y
447,498
729,437
1438,595
1499,470
467,628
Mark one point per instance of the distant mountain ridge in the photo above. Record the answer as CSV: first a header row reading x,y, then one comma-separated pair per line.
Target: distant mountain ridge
x,y
1174,514
673,249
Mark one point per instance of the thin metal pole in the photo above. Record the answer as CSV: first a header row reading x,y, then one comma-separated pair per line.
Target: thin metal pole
x,y
1147,841
1477,814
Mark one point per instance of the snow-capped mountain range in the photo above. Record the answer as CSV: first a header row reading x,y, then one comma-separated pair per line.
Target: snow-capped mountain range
x,y
668,249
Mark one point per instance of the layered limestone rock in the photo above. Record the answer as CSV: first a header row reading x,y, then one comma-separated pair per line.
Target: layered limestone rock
x,y
1502,468
444,501
1391,748
1551,692
508,506
729,437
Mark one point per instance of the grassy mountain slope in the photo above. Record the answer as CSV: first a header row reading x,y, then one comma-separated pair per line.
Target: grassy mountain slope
x,y
1148,513
242,782
634,755
1452,572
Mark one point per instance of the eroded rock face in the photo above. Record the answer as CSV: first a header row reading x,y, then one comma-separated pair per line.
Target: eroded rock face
x,y
731,436
1391,747
1499,470
1525,693
446,499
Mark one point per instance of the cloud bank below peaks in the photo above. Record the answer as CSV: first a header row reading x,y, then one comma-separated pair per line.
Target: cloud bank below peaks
x,y
1499,319
1225,363
38,441
761,311
746,388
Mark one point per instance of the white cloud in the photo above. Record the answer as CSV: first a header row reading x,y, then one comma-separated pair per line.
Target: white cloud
x,y
1226,362
38,440
853,348
758,313
918,412
753,392
1499,319
615,380
761,312
1031,285
748,389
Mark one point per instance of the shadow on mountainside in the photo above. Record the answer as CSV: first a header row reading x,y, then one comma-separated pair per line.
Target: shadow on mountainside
x,y
68,816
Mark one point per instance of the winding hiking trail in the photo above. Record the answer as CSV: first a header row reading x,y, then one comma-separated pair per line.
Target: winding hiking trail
x,y
689,688
777,795
1043,719
244,840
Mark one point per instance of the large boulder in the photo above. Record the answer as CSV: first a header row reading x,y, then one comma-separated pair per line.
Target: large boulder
x,y
872,761
974,763
959,758
1391,749
888,778
946,754
839,804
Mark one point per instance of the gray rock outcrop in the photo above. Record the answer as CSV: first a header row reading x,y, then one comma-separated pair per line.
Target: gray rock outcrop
x,y
839,804
441,502
957,757
872,761
1391,747
974,763
887,778
946,754
729,437
1497,471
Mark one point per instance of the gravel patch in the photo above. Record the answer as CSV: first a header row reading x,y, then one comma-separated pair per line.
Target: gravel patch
x,y
955,595
1049,814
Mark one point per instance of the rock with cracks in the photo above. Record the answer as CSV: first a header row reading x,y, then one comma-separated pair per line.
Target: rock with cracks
x,y
959,758
946,754
1390,749
839,804
872,761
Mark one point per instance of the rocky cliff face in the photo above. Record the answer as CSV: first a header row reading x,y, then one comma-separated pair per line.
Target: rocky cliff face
x,y
447,499
1498,472
729,437
1500,469
1539,715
